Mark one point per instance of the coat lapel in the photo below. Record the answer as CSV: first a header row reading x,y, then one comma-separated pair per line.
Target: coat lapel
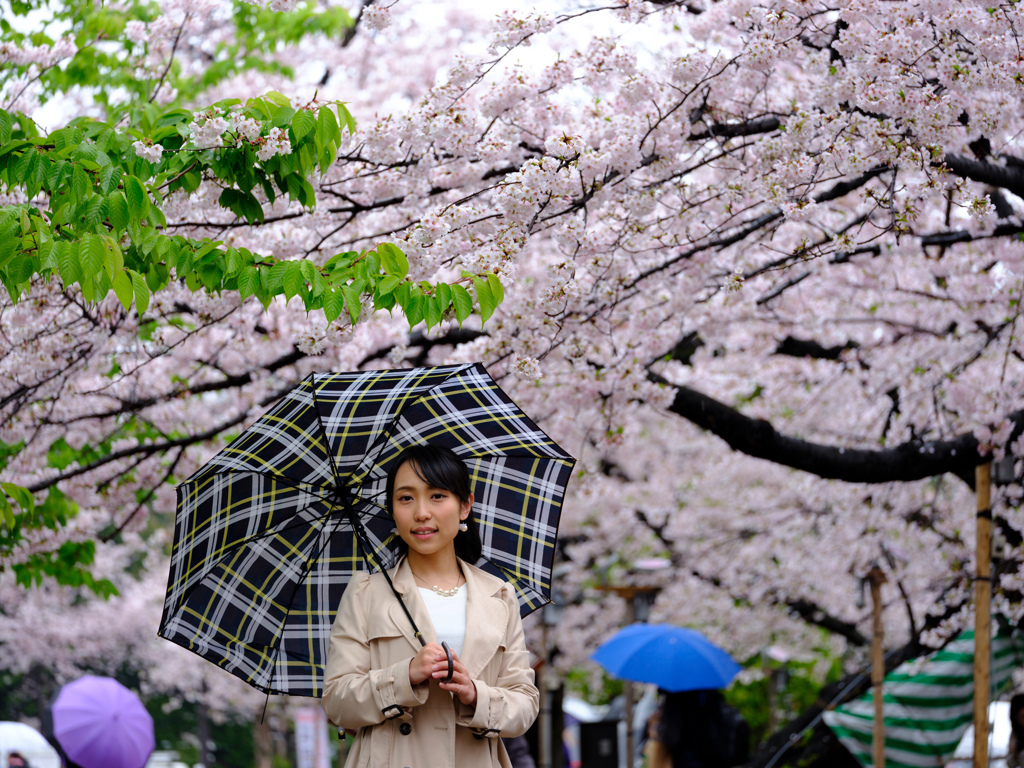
x,y
405,585
486,620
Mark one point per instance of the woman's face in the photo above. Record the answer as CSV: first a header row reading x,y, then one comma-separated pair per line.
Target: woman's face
x,y
427,518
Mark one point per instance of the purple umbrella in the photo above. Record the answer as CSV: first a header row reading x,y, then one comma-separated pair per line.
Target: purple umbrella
x,y
101,724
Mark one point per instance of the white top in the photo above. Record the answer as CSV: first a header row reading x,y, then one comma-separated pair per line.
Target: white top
x,y
448,615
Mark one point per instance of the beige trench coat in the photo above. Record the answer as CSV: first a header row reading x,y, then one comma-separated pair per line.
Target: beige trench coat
x,y
367,672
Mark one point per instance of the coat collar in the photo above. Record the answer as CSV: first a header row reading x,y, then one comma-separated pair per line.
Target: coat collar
x,y
486,614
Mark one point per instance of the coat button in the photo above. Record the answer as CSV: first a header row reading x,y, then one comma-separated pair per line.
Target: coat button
x,y
405,729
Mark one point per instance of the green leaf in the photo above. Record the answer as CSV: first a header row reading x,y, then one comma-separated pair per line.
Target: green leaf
x,y
274,97
80,184
9,243
232,262
113,260
371,263
352,302
293,282
138,200
303,123
22,496
251,208
231,199
141,292
282,116
7,512
462,302
334,303
496,290
327,157
443,292
384,302
275,277
248,282
415,308
327,131
387,285
434,311
123,289
485,297
317,284
117,211
92,256
345,118
67,263
6,127
395,262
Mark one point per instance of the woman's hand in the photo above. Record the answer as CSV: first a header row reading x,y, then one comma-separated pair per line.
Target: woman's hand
x,y
422,665
461,684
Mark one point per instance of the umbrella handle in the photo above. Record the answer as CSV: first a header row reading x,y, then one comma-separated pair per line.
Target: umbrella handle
x,y
451,663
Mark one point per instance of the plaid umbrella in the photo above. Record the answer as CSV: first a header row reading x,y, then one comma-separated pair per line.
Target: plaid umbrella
x,y
270,530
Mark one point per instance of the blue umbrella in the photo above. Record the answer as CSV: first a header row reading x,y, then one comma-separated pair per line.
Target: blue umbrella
x,y
673,658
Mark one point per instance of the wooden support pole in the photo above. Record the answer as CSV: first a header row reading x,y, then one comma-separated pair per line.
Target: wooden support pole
x,y
876,579
982,612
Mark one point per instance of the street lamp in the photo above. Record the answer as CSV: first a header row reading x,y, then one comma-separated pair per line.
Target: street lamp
x,y
639,599
548,683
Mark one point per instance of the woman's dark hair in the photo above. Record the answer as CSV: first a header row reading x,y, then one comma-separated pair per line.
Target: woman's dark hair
x,y
1016,705
440,467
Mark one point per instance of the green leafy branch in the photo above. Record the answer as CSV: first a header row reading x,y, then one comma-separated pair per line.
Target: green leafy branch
x,y
95,217
67,564
107,61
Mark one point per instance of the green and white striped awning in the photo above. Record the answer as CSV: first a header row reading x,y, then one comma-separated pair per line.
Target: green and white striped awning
x,y
927,702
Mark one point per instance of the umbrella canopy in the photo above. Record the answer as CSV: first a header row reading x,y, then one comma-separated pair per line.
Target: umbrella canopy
x,y
673,658
270,530
29,743
927,704
101,724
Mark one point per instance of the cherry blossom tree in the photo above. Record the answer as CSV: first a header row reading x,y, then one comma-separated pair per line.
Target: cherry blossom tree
x,y
762,270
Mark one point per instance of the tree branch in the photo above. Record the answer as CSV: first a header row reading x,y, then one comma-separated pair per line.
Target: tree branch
x,y
1009,177
757,125
914,460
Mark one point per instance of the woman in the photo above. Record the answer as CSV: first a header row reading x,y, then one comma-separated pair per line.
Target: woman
x,y
381,682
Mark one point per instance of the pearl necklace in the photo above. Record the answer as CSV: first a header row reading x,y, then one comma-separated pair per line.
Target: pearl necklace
x,y
443,592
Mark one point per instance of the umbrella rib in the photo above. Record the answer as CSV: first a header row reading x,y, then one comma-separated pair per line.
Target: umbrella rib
x,y
279,636
512,578
384,432
323,433
310,488
243,542
296,524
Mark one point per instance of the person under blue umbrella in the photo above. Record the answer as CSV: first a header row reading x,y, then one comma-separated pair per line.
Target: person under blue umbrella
x,y
699,730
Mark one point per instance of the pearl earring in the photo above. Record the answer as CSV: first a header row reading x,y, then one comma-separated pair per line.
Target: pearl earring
x,y
463,527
